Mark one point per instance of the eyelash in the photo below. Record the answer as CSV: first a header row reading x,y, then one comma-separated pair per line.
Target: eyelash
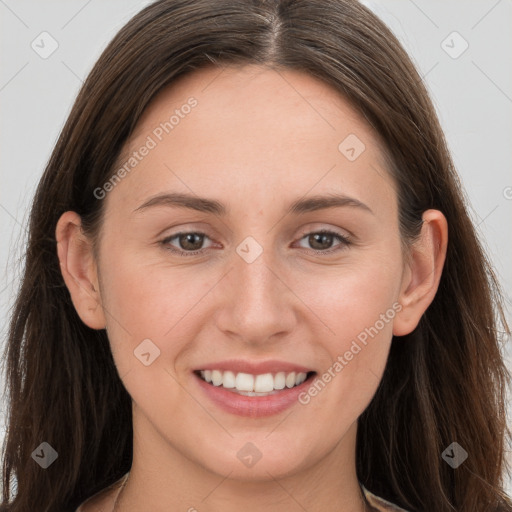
x,y
344,242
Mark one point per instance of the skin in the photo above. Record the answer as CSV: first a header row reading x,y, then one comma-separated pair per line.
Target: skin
x,y
257,140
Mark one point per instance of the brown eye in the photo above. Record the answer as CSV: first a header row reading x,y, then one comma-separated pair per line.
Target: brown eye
x,y
322,241
319,241
188,244
191,241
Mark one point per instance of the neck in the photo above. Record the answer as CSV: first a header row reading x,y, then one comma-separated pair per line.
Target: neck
x,y
162,478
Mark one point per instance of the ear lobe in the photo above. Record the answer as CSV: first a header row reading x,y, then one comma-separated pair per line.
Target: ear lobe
x,y
423,273
78,268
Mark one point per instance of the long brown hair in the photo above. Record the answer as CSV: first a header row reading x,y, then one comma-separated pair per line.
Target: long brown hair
x,y
444,383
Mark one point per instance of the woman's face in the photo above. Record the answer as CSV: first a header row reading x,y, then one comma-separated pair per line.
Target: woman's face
x,y
249,165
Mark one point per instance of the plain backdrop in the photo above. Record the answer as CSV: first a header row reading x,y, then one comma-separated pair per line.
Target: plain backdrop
x,y
461,48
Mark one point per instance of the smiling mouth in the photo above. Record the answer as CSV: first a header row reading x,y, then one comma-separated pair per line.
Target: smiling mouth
x,y
248,384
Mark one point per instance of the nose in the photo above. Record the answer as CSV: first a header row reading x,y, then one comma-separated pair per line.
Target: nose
x,y
257,306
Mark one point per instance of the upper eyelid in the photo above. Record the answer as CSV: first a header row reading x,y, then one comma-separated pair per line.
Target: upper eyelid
x,y
337,231
317,226
303,232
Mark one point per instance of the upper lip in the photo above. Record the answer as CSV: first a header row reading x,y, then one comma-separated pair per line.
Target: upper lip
x,y
255,367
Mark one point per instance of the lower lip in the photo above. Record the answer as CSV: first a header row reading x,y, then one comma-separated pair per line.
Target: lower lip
x,y
252,406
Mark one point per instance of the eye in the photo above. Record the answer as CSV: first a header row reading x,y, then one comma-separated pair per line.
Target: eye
x,y
321,241
190,243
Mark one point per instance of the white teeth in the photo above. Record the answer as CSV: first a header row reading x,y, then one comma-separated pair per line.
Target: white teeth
x,y
253,385
244,382
290,380
264,383
228,380
300,378
280,380
216,378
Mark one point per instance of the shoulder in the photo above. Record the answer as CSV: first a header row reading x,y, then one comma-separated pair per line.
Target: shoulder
x,y
380,504
102,500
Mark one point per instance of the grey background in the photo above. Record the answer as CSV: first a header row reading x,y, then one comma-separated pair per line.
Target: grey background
x,y
472,94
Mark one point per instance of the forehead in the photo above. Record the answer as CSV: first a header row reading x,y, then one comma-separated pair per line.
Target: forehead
x,y
291,103
253,130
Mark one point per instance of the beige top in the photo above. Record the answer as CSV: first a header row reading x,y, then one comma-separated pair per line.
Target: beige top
x,y
379,504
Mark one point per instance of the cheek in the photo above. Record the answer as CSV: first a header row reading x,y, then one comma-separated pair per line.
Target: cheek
x,y
352,297
144,292
144,301
153,319
358,305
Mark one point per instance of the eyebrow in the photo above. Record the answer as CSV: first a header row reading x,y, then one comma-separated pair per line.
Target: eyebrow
x,y
300,206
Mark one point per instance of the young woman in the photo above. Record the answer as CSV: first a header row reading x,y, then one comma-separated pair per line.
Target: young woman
x,y
251,281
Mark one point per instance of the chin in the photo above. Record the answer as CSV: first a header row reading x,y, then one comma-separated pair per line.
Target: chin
x,y
252,458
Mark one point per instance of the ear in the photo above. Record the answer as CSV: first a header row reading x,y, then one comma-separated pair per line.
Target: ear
x,y
423,272
78,267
